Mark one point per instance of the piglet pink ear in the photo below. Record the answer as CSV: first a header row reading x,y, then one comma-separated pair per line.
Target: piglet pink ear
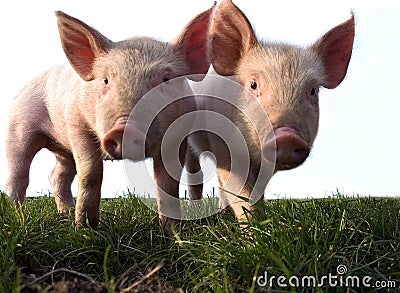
x,y
335,49
232,36
81,43
194,41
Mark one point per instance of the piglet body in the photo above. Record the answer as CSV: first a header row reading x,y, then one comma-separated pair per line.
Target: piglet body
x,y
82,113
284,80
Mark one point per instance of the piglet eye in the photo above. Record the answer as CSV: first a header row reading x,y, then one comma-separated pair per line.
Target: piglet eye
x,y
105,80
166,79
313,92
253,85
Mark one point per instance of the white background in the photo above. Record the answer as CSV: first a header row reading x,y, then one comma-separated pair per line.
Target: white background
x,y
357,148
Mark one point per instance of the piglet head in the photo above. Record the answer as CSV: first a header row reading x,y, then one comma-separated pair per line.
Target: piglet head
x,y
119,74
285,79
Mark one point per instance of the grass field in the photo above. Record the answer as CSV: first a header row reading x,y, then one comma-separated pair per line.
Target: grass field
x,y
334,242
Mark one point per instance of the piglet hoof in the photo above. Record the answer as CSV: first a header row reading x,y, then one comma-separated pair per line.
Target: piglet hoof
x,y
86,224
87,217
80,225
17,201
65,209
169,225
81,220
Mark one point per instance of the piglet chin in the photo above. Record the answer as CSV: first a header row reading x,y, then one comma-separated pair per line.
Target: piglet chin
x,y
287,147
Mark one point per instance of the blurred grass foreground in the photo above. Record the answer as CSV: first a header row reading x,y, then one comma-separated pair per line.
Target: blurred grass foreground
x,y
42,251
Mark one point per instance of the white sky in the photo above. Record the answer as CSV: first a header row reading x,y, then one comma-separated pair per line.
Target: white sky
x,y
356,151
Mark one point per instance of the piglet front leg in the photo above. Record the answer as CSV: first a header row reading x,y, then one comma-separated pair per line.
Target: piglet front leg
x,y
169,209
89,167
167,198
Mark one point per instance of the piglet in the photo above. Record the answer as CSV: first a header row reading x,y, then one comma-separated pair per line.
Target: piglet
x,y
284,80
81,113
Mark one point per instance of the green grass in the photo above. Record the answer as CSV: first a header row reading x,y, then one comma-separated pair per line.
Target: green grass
x,y
299,238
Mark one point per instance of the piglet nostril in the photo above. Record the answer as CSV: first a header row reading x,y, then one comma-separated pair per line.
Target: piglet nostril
x,y
291,150
113,148
300,154
112,142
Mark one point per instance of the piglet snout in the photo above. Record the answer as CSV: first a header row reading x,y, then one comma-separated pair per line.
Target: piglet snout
x,y
125,141
112,142
287,147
